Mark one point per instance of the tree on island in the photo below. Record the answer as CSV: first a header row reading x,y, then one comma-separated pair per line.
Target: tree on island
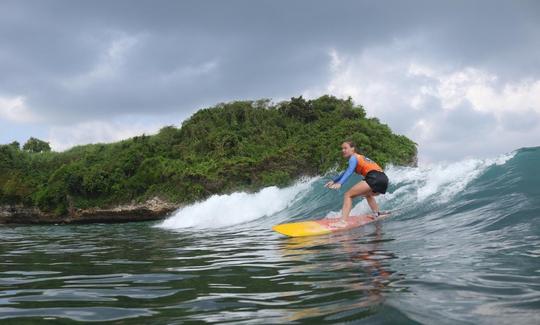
x,y
16,145
36,145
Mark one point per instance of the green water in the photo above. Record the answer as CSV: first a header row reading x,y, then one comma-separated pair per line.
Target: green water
x,y
464,247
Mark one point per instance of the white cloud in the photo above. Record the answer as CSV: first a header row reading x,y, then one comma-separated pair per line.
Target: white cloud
x,y
520,96
64,137
14,109
480,89
450,111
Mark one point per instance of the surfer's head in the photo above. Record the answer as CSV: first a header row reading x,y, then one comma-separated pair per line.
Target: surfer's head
x,y
348,148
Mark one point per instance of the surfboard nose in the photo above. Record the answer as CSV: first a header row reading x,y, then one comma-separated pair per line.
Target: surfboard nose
x,y
299,229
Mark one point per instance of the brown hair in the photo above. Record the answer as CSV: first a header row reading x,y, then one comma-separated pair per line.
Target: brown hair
x,y
351,144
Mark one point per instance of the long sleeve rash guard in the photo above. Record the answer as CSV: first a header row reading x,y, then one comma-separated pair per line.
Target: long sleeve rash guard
x,y
342,178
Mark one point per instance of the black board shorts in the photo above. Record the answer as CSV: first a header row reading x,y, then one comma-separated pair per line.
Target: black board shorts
x,y
378,181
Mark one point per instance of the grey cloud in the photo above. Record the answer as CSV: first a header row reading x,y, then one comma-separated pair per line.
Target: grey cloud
x,y
521,121
251,49
463,124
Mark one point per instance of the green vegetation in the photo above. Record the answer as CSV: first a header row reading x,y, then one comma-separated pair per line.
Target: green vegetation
x,y
241,145
34,145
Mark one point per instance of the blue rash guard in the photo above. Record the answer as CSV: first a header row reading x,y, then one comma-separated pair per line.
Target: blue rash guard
x,y
342,178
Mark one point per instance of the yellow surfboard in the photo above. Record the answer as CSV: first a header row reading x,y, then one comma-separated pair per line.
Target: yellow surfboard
x,y
325,226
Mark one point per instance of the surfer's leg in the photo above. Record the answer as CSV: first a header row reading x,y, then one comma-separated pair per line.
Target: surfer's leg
x,y
359,189
372,202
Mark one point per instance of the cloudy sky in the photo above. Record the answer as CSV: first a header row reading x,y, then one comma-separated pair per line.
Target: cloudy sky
x,y
461,78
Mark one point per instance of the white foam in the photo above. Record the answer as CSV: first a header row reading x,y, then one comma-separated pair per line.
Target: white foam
x,y
239,207
440,181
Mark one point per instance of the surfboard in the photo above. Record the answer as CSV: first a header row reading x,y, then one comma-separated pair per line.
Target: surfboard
x,y
325,226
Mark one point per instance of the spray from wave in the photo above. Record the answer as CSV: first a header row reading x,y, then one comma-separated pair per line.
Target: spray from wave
x,y
438,182
410,188
239,207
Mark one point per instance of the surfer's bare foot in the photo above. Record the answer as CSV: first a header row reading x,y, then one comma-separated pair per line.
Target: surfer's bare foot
x,y
339,223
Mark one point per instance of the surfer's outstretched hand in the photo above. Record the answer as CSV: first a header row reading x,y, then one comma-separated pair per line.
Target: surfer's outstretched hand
x,y
332,185
335,186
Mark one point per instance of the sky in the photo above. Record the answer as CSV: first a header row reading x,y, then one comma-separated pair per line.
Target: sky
x,y
460,78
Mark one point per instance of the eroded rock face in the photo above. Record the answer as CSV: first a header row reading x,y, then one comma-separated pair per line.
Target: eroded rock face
x,y
22,214
152,209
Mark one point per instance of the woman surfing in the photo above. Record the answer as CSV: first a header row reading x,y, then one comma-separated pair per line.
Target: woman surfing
x,y
375,180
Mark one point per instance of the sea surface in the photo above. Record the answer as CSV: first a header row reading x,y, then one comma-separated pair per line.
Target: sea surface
x,y
462,247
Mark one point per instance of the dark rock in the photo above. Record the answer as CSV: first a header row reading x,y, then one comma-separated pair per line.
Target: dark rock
x,y
152,209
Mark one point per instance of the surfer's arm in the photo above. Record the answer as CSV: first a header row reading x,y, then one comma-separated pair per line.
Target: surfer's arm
x,y
338,177
341,179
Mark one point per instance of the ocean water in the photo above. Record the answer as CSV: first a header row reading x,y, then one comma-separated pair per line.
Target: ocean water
x,y
462,247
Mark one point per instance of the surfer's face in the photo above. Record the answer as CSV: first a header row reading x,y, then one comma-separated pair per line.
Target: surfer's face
x,y
346,150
